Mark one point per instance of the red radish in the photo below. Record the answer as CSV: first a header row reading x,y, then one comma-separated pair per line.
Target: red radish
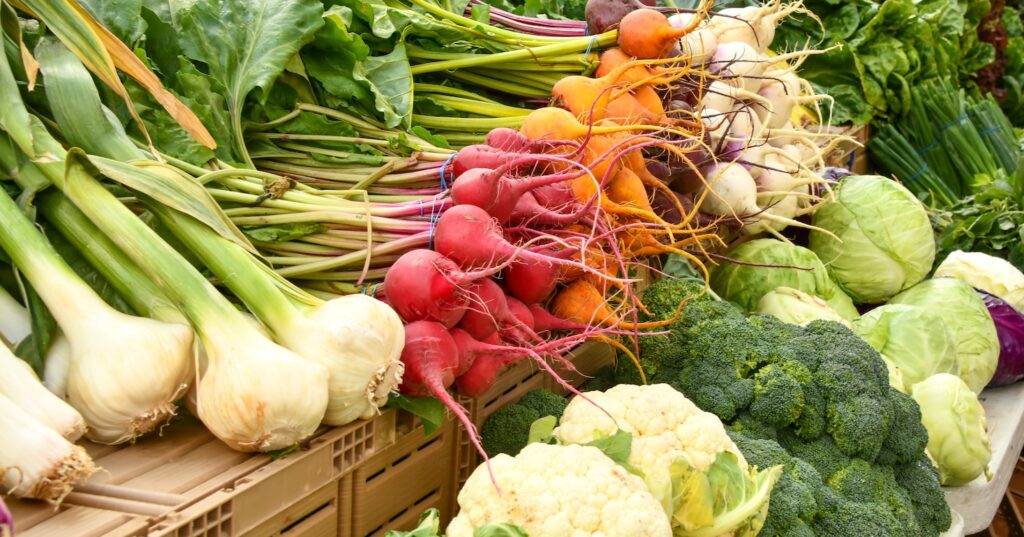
x,y
498,193
545,321
489,314
521,311
531,281
489,359
469,236
511,140
488,157
529,211
554,196
465,359
431,358
425,285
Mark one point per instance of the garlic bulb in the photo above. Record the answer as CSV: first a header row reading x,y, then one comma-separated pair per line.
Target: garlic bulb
x,y
359,339
21,385
35,461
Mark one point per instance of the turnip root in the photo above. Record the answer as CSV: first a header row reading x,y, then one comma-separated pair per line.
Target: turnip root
x,y
753,25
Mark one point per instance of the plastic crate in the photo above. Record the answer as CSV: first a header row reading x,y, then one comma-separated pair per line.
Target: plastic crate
x,y
392,489
189,484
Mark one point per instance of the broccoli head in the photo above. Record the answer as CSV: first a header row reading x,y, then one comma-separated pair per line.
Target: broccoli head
x,y
907,436
811,423
778,392
508,429
751,427
920,480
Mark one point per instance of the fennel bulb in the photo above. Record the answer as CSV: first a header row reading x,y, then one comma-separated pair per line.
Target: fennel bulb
x,y
21,385
35,461
357,338
125,372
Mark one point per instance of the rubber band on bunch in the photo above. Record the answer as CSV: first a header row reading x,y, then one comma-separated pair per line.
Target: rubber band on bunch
x,y
954,123
444,172
916,176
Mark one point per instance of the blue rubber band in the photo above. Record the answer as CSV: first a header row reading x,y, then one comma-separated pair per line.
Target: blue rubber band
x,y
444,167
590,45
853,155
955,122
922,171
421,207
989,131
929,147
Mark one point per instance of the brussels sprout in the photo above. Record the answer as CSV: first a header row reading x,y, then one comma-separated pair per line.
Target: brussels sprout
x,y
914,339
968,320
769,264
958,438
991,274
885,239
797,307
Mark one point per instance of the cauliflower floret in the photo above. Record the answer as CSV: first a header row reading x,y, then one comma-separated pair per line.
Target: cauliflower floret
x,y
560,491
665,425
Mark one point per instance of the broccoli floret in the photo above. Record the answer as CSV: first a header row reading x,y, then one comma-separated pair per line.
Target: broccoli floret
x,y
508,429
544,403
751,427
811,423
859,425
907,436
920,481
798,528
716,385
794,498
779,331
663,297
821,453
838,516
778,392
864,482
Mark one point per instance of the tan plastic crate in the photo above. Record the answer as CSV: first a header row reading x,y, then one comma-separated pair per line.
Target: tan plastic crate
x,y
392,489
850,155
588,359
189,484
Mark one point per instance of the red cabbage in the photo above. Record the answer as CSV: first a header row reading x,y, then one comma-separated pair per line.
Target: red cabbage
x,y
1010,328
6,521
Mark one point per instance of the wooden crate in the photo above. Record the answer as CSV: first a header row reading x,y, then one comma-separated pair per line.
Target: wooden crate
x,y
851,155
392,489
187,483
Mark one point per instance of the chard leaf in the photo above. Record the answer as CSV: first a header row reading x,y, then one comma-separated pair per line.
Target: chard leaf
x,y
281,232
246,44
122,17
340,60
429,410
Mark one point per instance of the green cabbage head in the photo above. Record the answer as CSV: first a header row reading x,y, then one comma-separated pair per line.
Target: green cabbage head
x,y
993,275
781,265
797,307
966,316
885,242
958,439
914,339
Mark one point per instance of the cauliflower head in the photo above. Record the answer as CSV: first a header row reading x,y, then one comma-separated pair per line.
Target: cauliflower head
x,y
560,491
688,461
665,425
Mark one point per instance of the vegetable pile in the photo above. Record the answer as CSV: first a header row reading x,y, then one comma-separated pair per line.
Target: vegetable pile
x,y
815,399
